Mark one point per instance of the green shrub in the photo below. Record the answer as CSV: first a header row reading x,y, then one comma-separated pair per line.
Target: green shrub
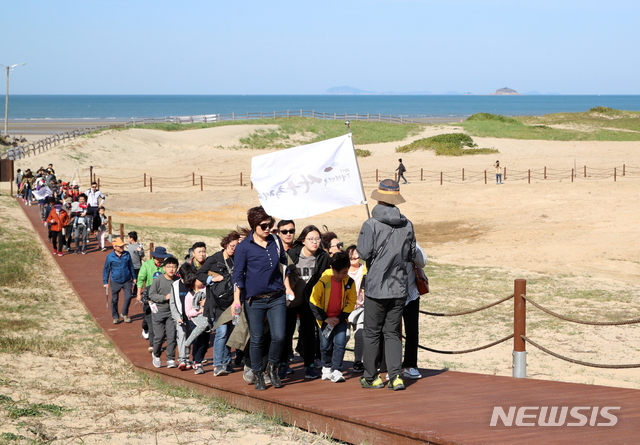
x,y
449,144
362,153
492,117
601,110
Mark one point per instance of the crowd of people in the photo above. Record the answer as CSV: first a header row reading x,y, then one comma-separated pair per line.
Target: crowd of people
x,y
70,215
266,281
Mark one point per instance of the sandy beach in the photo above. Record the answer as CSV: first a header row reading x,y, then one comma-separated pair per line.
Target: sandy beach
x,y
584,230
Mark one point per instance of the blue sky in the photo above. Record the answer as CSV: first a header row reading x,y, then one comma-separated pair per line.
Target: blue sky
x,y
307,47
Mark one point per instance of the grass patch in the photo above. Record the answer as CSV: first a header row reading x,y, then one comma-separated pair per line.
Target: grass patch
x,y
597,124
295,130
449,144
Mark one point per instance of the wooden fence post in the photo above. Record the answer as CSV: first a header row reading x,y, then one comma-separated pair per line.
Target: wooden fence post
x,y
614,174
463,174
251,182
519,328
422,174
377,175
545,172
440,178
201,184
529,176
623,169
122,231
151,248
585,172
240,179
151,185
98,183
193,178
395,175
505,173
485,176
145,180
571,175
109,225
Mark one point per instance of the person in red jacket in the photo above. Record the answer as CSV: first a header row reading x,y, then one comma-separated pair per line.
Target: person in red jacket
x,y
58,220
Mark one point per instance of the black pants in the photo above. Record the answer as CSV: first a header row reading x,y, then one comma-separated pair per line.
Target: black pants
x,y
382,316
307,333
410,317
58,240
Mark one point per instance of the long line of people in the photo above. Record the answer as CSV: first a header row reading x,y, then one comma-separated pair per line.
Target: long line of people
x,y
249,297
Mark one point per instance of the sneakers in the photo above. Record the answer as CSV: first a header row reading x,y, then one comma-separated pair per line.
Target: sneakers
x,y
411,373
311,373
282,370
145,334
220,370
375,384
60,253
189,366
55,252
326,373
182,366
171,364
197,369
103,249
83,252
116,320
358,367
156,362
248,375
396,384
125,318
336,376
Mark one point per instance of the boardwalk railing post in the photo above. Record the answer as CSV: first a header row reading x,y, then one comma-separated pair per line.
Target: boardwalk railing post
x,y
151,247
519,328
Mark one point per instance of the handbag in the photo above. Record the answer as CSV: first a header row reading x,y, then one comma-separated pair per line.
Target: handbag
x,y
422,282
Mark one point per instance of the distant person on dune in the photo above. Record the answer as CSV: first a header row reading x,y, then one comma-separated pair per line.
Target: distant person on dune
x,y
401,169
498,173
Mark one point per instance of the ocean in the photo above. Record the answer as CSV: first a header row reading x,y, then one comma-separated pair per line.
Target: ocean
x,y
99,107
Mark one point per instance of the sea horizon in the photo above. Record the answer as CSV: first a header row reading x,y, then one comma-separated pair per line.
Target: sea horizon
x,y
136,106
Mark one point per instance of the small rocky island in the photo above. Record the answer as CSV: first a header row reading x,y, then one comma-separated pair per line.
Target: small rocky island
x,y
506,92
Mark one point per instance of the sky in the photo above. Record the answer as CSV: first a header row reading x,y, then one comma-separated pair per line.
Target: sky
x,y
309,46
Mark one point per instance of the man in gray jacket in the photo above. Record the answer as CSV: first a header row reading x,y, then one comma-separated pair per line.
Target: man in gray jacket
x,y
387,243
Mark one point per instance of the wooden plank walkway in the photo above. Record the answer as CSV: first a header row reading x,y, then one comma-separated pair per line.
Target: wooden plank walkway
x,y
444,407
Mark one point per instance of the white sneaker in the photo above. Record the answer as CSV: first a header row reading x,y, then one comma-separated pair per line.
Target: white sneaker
x,y
336,376
145,334
171,364
411,373
326,373
156,362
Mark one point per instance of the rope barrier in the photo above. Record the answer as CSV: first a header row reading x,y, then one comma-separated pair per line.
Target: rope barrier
x,y
577,362
574,320
454,314
479,348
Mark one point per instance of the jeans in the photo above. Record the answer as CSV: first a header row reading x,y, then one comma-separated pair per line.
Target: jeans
x,y
222,352
274,309
333,347
115,292
81,235
382,317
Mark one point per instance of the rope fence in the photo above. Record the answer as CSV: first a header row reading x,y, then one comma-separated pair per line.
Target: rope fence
x,y
519,329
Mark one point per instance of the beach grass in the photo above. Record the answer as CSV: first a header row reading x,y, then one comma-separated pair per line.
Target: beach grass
x,y
313,130
597,124
449,144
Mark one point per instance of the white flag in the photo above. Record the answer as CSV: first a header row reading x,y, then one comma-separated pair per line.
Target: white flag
x,y
304,181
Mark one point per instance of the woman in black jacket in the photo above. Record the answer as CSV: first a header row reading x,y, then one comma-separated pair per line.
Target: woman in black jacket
x,y
307,261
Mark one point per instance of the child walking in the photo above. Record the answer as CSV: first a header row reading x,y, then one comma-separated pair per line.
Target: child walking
x,y
332,300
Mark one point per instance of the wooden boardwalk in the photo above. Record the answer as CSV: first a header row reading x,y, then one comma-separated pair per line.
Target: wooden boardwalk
x,y
444,407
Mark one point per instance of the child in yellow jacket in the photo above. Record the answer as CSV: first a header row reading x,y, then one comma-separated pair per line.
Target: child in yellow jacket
x,y
332,300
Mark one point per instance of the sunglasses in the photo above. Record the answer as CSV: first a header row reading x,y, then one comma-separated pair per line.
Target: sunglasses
x,y
265,226
339,245
288,232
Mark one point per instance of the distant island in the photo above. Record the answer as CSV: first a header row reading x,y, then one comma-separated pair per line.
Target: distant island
x,y
506,92
347,90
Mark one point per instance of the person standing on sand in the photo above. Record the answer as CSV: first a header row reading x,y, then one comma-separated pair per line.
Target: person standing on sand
x,y
401,169
387,243
498,173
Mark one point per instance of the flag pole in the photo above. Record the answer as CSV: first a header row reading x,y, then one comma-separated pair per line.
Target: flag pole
x,y
366,203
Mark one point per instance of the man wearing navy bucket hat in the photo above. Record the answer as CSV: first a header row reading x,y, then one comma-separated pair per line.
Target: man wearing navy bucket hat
x,y
387,243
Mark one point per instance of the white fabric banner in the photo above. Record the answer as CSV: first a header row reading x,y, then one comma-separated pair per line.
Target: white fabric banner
x,y
43,193
304,181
